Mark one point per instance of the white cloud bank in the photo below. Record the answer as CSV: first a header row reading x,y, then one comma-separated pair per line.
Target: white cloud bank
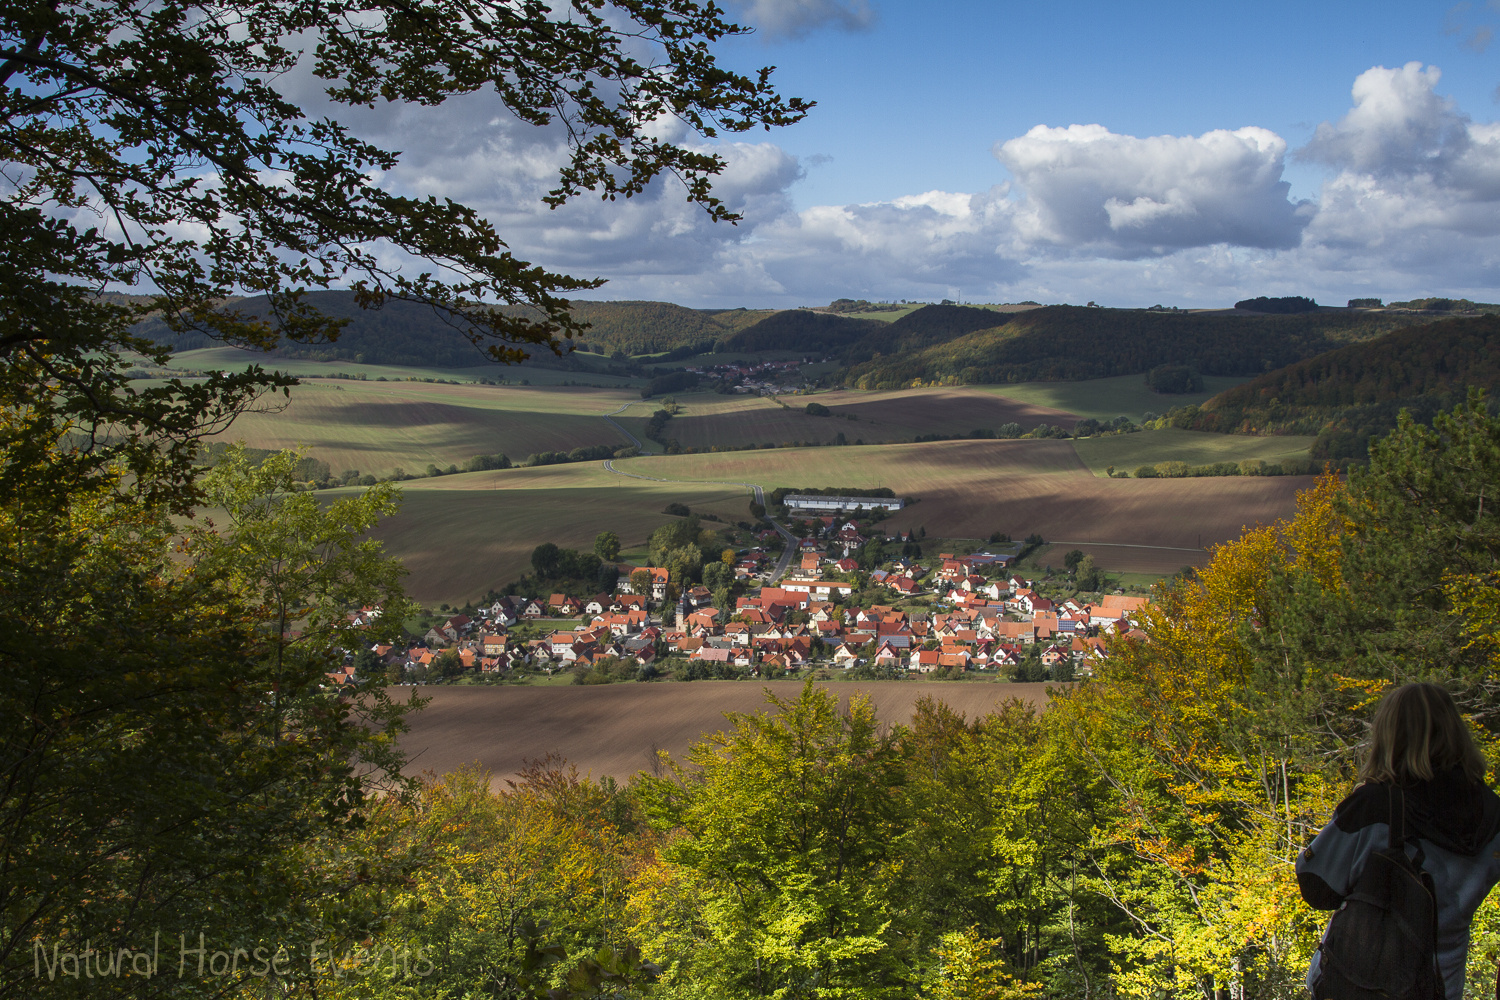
x,y
1410,205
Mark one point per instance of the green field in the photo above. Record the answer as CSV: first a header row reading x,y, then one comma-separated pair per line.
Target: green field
x,y
1107,398
464,534
461,535
232,359
709,419
1127,452
375,427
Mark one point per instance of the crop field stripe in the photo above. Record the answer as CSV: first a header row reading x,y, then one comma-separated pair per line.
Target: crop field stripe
x,y
1127,452
616,730
1128,545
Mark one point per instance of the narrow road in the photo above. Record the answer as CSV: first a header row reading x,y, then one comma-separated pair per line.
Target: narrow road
x,y
610,416
755,490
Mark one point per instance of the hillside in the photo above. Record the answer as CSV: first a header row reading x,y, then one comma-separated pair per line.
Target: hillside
x,y
1351,393
852,339
1062,343
803,330
407,335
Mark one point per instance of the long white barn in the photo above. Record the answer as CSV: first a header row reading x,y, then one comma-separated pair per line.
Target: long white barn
x,y
803,502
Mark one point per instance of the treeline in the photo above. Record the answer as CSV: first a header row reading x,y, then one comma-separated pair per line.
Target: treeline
x,y
1244,467
1444,305
1284,304
1065,343
672,382
1134,839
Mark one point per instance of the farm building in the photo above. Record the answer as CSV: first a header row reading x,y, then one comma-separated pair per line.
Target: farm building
x,y
800,503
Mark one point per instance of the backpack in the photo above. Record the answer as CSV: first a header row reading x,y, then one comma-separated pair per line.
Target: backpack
x,y
1382,942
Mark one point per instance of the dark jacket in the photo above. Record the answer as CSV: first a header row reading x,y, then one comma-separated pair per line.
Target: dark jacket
x,y
1457,824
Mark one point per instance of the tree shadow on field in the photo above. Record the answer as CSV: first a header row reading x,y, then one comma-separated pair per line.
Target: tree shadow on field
x,y
405,414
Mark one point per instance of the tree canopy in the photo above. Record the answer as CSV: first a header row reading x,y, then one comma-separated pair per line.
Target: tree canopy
x,y
153,148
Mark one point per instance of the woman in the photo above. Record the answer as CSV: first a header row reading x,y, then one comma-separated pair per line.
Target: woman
x,y
1418,742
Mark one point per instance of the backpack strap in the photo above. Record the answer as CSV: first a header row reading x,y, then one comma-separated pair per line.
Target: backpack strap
x,y
1396,832
1395,798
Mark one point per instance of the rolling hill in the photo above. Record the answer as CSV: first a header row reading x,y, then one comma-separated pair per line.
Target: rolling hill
x,y
1064,343
403,334
1349,394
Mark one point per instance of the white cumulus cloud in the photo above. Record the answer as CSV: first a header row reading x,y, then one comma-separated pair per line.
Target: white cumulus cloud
x,y
1087,188
1410,205
1415,176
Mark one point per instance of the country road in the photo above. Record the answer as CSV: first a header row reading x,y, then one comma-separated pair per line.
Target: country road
x,y
610,416
756,491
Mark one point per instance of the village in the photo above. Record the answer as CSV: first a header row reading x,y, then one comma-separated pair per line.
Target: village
x,y
959,615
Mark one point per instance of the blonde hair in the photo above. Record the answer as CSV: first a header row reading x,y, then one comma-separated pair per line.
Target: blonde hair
x,y
1416,733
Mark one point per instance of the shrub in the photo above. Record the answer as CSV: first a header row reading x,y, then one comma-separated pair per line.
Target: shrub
x,y
1174,379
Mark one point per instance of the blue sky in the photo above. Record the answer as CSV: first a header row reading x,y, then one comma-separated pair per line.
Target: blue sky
x,y
1181,153
917,100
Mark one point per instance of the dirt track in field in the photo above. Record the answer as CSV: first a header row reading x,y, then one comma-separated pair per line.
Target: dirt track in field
x,y
615,730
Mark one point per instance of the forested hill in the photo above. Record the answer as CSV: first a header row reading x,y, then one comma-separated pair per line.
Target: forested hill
x,y
1066,343
803,330
405,334
1350,394
854,340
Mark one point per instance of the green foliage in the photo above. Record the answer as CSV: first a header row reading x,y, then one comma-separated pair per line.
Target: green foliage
x,y
516,893
656,425
792,854
717,576
817,410
1445,305
674,382
1174,379
1283,305
484,463
169,754
1349,395
591,453
607,546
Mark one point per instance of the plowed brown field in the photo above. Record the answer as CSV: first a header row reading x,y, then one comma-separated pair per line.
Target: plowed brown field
x,y
968,489
616,730
879,417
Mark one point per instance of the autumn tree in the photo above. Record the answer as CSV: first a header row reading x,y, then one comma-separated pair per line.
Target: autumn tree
x,y
607,546
780,881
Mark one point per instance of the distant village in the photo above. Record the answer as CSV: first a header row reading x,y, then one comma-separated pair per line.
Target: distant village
x,y
762,378
973,615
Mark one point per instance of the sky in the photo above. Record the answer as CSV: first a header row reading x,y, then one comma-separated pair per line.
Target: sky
x,y
1129,154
